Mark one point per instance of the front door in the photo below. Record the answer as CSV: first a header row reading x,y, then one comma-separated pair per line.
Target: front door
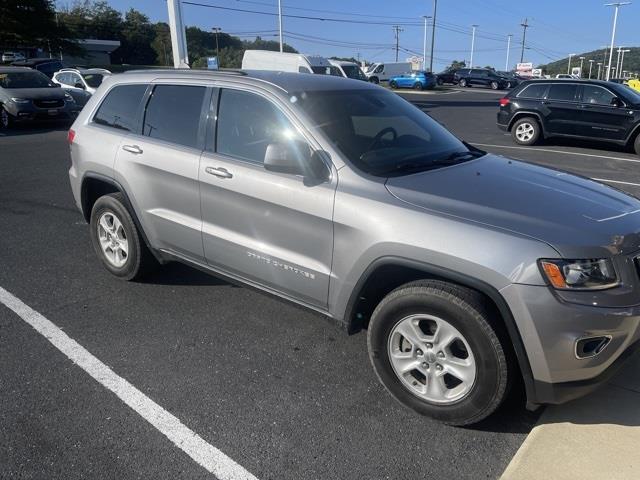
x,y
600,117
273,229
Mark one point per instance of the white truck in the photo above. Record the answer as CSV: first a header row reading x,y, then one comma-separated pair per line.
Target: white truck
x,y
382,72
349,69
287,62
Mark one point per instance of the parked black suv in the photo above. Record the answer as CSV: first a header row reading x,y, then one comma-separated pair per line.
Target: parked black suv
x,y
448,76
469,77
589,109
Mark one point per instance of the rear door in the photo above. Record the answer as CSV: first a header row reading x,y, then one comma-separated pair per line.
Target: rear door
x,y
270,228
158,165
600,118
479,77
561,108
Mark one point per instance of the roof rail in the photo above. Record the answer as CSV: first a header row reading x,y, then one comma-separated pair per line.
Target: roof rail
x,y
192,70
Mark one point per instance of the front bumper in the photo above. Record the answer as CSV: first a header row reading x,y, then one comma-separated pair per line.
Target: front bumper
x,y
550,327
29,111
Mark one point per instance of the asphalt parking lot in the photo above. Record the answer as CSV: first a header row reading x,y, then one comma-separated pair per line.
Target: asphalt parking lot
x,y
280,390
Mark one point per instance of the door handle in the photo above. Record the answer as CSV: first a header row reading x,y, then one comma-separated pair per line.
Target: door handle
x,y
218,172
135,149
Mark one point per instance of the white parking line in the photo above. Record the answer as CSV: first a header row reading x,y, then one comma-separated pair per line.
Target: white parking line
x,y
616,181
206,455
535,149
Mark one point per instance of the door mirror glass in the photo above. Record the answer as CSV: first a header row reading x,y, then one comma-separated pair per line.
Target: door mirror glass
x,y
616,102
294,158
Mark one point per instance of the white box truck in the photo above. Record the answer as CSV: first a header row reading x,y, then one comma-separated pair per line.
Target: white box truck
x,y
287,62
382,72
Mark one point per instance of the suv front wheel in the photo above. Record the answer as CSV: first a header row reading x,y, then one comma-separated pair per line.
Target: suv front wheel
x,y
435,347
116,239
526,131
462,82
636,144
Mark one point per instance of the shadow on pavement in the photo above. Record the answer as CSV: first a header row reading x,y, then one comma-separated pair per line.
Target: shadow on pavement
x,y
179,274
33,128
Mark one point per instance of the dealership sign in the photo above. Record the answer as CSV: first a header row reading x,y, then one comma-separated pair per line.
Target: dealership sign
x,y
525,69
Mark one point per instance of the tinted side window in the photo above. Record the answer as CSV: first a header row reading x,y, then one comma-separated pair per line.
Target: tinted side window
x,y
596,95
119,108
173,114
534,91
561,91
247,123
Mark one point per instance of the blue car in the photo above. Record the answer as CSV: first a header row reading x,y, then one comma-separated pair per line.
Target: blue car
x,y
416,80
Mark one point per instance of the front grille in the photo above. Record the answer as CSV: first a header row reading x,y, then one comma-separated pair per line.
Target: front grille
x,y
48,103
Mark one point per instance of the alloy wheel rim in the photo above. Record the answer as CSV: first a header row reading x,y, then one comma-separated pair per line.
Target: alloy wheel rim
x,y
4,117
113,239
525,132
432,359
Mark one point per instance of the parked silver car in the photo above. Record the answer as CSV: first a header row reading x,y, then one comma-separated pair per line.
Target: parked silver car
x,y
468,270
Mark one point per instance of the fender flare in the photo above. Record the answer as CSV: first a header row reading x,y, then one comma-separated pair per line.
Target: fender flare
x,y
525,113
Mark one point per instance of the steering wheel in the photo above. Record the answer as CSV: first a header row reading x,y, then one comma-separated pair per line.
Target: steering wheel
x,y
382,133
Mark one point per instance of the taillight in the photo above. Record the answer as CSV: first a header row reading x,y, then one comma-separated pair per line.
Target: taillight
x,y
70,136
504,102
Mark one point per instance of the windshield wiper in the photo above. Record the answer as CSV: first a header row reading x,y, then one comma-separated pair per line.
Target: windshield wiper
x,y
408,167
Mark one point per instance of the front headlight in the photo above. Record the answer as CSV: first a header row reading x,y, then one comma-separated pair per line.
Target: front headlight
x,y
68,98
19,100
591,274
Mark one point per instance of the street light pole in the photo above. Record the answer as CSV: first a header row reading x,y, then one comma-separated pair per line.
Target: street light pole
x,y
569,66
590,68
433,34
599,67
581,64
216,30
280,22
424,43
618,60
506,64
622,60
473,41
613,31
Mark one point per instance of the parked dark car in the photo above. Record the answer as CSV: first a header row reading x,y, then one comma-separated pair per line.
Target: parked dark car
x,y
447,76
513,78
589,109
48,66
480,77
26,94
416,80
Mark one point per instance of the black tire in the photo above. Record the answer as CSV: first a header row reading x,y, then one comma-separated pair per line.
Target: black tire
x,y
468,312
440,81
462,83
6,119
139,261
636,144
494,85
418,86
374,80
393,84
527,140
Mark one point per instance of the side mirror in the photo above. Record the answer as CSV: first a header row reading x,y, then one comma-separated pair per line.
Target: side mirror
x,y
295,158
616,102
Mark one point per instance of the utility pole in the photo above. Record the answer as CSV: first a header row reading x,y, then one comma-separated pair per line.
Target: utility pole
x,y
613,31
590,68
424,43
473,41
506,64
569,66
433,34
280,22
397,30
216,30
524,26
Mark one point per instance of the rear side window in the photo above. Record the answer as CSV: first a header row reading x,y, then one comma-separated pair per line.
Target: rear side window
x,y
562,91
534,91
120,107
173,114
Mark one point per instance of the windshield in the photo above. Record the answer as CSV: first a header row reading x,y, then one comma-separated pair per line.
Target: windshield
x,y
29,79
353,71
327,71
93,79
380,133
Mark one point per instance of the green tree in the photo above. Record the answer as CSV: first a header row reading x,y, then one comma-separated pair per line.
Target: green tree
x,y
161,44
136,38
455,65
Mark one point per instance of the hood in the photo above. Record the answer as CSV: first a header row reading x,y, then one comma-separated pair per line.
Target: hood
x,y
576,216
51,93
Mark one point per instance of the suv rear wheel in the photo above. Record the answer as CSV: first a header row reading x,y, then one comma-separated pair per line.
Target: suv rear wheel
x,y
116,239
6,120
462,82
526,131
436,348
417,86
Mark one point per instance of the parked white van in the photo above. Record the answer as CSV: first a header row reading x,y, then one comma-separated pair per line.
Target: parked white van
x,y
382,72
287,62
349,69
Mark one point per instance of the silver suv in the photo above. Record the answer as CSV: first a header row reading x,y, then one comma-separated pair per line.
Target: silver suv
x,y
469,271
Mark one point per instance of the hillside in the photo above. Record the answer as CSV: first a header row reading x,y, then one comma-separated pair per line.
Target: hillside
x,y
631,61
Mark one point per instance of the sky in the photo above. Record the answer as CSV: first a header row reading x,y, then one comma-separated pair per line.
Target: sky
x,y
557,27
